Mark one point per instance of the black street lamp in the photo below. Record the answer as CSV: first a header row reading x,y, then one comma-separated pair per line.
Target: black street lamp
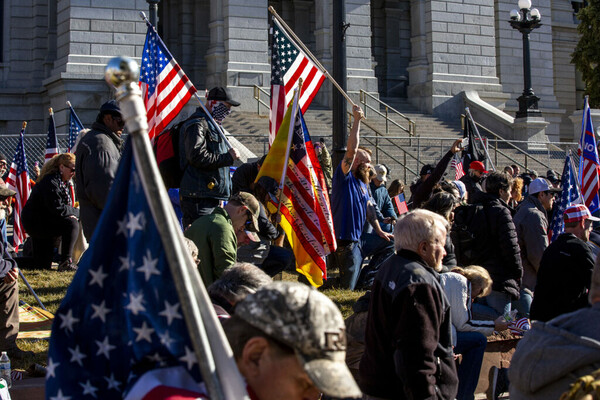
x,y
153,11
526,20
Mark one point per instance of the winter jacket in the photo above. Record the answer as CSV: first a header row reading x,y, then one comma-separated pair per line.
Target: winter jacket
x,y
473,186
553,354
458,291
205,159
97,158
531,222
499,251
421,191
47,202
408,341
384,203
563,278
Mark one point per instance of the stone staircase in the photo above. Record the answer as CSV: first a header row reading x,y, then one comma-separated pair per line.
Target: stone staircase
x,y
404,155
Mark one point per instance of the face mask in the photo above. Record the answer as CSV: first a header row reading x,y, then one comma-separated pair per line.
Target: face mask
x,y
219,112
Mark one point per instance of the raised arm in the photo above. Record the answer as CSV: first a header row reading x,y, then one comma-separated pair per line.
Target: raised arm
x,y
353,140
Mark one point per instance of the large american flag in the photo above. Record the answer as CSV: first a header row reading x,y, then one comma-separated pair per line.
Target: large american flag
x,y
570,195
51,140
75,126
289,64
458,167
121,318
165,87
588,175
305,208
18,180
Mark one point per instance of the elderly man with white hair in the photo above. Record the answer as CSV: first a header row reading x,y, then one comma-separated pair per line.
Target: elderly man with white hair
x,y
408,343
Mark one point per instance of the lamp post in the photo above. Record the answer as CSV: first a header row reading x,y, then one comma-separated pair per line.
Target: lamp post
x,y
526,20
153,11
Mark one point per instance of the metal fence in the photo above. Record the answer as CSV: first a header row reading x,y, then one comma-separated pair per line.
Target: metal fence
x,y
35,146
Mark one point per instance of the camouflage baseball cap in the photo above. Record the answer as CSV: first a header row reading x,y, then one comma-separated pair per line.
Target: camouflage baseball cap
x,y
309,322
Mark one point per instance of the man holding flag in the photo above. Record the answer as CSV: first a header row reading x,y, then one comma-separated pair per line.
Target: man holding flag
x,y
352,205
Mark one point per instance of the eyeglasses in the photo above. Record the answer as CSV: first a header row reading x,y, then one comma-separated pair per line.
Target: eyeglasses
x,y
249,226
118,119
72,169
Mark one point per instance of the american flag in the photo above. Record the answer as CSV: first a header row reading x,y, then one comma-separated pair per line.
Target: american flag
x,y
590,182
18,180
458,167
400,203
570,195
51,140
305,208
75,126
520,326
165,87
289,64
121,318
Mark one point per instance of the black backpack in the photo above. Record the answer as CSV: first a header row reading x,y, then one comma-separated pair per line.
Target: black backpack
x,y
469,225
166,152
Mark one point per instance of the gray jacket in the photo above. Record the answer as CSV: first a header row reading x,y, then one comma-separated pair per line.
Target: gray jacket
x,y
531,223
205,159
97,159
554,354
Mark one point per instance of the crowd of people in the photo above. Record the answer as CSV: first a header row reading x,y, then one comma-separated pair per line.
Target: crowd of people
x,y
464,259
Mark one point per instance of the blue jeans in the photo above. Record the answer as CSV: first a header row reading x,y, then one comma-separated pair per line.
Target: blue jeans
x,y
3,231
348,258
498,302
472,346
523,305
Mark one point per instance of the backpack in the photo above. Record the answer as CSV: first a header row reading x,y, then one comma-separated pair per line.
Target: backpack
x,y
166,152
469,221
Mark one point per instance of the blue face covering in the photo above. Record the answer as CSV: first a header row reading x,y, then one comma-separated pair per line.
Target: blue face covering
x,y
219,112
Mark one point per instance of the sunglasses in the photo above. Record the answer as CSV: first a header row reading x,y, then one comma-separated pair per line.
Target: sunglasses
x,y
249,225
69,168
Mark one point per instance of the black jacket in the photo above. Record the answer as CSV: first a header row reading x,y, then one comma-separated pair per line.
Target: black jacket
x,y
47,203
563,279
205,159
473,187
498,246
97,159
408,342
421,190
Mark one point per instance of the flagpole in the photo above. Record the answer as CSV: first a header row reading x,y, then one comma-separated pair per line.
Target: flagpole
x,y
210,117
479,136
576,173
123,73
308,53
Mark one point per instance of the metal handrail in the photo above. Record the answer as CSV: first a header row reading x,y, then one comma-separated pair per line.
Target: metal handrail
x,y
257,91
411,124
501,139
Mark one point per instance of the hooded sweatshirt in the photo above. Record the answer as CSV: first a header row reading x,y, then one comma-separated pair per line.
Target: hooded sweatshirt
x,y
553,354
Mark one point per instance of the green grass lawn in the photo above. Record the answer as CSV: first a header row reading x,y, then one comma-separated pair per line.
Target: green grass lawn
x,y
51,287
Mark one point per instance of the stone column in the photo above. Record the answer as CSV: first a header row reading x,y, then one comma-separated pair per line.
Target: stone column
x,y
322,51
418,92
216,56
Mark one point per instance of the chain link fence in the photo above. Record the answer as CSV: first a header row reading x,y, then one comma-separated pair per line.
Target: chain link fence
x,y
35,146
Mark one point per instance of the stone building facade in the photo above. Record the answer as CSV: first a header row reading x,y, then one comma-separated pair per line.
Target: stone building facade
x,y
428,51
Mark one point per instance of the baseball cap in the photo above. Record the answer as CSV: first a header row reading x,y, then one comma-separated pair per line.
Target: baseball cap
x,y
426,169
552,176
307,321
541,185
578,212
249,201
477,166
381,173
220,93
110,107
6,192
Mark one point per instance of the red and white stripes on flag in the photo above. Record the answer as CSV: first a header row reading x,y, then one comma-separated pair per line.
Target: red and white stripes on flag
x,y
165,87
458,167
289,64
18,180
589,162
